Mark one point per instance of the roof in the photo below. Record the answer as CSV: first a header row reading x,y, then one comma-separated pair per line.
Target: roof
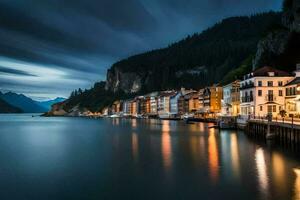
x,y
294,81
265,70
167,93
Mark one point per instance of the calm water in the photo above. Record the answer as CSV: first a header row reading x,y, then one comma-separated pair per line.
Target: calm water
x,y
72,158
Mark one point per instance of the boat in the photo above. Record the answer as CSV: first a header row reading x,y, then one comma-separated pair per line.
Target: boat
x,y
114,116
168,116
227,122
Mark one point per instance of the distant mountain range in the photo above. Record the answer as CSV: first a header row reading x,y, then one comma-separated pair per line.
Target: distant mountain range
x,y
47,104
7,108
16,103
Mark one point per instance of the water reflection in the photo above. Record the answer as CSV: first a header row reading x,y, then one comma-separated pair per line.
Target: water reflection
x,y
116,121
297,185
133,123
213,156
202,127
166,145
262,172
135,146
235,155
278,171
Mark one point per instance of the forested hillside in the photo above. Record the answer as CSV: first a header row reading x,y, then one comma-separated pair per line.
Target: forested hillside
x,y
196,61
219,54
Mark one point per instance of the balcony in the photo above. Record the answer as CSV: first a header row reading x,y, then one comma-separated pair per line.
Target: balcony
x,y
247,99
247,86
270,98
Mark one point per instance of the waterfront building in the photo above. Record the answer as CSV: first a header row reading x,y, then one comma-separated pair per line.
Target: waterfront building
x,y
163,108
133,110
145,105
127,107
262,92
210,99
105,111
231,99
174,107
116,107
153,103
183,101
292,95
194,103
216,95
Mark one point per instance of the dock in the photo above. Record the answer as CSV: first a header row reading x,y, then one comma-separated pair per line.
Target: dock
x,y
286,134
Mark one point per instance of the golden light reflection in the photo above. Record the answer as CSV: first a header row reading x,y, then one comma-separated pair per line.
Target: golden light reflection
x,y
202,127
135,145
133,123
166,126
279,171
235,155
262,171
297,184
166,145
213,156
116,121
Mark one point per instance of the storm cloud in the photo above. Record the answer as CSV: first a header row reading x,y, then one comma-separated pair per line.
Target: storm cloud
x,y
50,47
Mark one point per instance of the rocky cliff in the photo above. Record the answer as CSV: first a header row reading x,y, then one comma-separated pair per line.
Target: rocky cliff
x,y
280,48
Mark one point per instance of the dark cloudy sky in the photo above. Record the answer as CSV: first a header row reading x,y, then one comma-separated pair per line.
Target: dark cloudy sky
x,y
50,47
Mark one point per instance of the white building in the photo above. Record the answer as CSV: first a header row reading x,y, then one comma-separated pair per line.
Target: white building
x,y
292,95
262,92
163,104
174,108
231,99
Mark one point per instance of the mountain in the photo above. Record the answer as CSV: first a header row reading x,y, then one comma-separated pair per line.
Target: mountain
x,y
280,48
26,104
47,104
196,61
7,108
220,54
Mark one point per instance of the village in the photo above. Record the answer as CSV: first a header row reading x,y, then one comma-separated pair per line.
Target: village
x,y
261,93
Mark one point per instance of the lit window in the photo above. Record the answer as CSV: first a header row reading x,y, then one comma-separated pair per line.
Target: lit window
x,y
271,73
270,83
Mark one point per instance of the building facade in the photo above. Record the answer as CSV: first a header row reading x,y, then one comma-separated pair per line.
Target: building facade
x,y
262,92
292,95
231,99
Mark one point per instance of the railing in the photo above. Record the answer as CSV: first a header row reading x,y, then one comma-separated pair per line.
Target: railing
x,y
270,97
246,99
247,86
277,119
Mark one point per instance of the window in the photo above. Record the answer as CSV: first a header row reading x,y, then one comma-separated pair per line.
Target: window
x,y
270,92
270,109
280,83
271,73
274,108
294,91
280,93
270,83
261,108
259,93
280,108
259,83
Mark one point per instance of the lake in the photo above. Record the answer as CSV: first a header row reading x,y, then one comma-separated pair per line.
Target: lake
x,y
77,158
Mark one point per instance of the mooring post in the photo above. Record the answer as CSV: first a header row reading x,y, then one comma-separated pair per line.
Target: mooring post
x,y
268,134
